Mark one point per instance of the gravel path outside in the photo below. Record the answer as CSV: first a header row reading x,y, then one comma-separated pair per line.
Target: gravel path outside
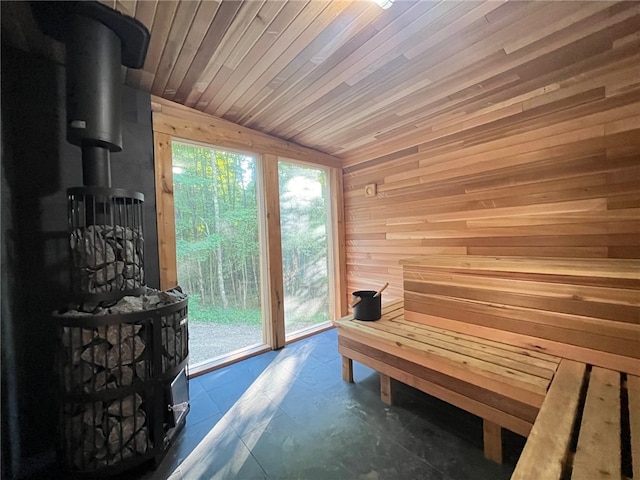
x,y
208,340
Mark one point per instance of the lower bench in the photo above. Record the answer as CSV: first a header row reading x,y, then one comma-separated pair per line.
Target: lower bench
x,y
588,427
505,385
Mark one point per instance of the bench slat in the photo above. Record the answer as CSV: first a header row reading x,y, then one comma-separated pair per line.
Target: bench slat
x,y
457,346
542,315
633,389
518,385
560,349
534,358
500,355
545,452
598,452
527,321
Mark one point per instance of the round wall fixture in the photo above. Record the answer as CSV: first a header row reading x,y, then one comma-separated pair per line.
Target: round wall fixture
x,y
370,190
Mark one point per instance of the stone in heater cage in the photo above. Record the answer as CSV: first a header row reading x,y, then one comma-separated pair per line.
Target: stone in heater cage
x,y
102,433
175,338
106,241
116,408
103,357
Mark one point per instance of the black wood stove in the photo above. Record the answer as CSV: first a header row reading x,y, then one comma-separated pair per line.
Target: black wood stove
x,y
122,347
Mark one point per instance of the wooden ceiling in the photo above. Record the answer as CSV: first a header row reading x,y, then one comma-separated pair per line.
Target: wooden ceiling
x,y
349,78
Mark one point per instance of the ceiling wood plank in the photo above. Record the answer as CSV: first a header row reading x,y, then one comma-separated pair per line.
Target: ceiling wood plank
x,y
264,32
372,85
313,56
241,21
327,32
201,24
189,86
182,22
323,81
218,91
145,13
399,86
252,34
162,21
126,7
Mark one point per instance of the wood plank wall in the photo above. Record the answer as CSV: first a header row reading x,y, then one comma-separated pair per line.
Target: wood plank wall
x,y
547,167
581,309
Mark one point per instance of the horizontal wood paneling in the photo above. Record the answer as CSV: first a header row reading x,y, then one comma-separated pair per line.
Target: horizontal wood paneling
x,y
592,305
546,168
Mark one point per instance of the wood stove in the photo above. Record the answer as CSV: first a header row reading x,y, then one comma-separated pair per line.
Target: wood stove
x,y
122,347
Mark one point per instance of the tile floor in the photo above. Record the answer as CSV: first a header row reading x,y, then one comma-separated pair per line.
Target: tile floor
x,y
289,415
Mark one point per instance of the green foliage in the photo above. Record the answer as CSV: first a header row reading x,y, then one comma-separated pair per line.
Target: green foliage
x,y
217,237
221,240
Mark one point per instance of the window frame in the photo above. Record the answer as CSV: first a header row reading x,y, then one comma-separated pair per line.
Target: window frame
x,y
268,151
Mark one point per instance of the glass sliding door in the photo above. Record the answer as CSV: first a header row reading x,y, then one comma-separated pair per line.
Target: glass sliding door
x,y
304,220
217,248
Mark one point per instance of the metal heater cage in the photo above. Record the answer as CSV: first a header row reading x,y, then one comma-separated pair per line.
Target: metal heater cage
x,y
122,380
107,243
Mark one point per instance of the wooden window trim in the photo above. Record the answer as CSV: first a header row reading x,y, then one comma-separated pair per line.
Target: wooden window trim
x,y
173,121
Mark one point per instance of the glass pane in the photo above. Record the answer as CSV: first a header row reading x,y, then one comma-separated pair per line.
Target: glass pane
x,y
217,248
303,218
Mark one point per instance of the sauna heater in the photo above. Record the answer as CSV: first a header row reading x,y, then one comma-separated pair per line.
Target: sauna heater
x,y
122,348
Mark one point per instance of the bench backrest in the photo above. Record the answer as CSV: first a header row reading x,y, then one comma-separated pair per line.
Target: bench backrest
x,y
581,309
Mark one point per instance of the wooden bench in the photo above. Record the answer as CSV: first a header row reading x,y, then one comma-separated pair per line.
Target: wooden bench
x,y
492,335
582,421
505,385
588,427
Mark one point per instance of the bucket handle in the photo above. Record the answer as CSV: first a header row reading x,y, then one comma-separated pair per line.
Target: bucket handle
x,y
379,292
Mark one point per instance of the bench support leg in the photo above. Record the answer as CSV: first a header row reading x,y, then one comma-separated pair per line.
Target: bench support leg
x,y
347,369
385,389
492,441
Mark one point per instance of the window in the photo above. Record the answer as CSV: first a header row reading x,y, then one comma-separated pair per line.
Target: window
x,y
304,220
217,248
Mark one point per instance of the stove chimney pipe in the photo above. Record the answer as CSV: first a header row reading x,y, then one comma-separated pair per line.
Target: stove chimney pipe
x,y
98,41
93,96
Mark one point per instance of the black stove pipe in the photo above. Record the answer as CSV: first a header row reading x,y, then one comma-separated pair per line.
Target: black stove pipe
x,y
96,166
93,96
98,41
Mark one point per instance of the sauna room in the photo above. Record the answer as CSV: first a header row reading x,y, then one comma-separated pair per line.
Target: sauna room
x,y
314,239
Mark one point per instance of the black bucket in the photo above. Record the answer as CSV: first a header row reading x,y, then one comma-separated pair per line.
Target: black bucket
x,y
369,307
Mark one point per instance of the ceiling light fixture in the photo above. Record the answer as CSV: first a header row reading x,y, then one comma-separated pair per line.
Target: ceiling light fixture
x,y
384,4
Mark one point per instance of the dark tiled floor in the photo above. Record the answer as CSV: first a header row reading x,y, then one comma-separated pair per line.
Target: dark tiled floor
x,y
289,415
